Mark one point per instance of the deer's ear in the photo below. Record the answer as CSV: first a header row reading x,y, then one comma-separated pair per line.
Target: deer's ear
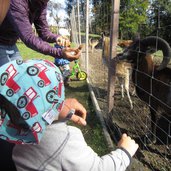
x,y
3,9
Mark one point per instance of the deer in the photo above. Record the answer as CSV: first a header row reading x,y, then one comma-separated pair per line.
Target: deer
x,y
123,69
93,43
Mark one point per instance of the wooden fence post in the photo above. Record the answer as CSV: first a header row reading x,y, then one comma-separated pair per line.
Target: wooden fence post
x,y
113,43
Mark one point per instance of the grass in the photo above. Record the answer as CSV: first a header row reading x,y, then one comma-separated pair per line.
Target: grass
x,y
28,53
92,35
93,131
78,89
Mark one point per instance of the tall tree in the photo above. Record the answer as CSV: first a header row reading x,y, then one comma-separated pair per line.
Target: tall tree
x,y
160,19
133,14
53,9
69,5
73,3
101,16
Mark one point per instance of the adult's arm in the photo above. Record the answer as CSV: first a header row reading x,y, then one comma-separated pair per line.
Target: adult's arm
x,y
42,27
20,18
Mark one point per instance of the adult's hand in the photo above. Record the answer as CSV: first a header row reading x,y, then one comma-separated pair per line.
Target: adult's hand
x,y
63,41
79,114
128,144
71,53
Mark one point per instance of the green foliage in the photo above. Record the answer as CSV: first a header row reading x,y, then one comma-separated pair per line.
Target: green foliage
x,y
132,15
160,19
136,17
54,29
101,16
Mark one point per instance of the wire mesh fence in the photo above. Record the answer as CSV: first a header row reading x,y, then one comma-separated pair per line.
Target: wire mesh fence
x,y
135,122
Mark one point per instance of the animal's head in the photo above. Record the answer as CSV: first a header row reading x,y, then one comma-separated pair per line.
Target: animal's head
x,y
140,48
93,42
129,54
124,43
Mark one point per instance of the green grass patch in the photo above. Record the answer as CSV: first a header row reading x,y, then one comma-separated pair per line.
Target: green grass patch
x,y
92,132
92,35
28,53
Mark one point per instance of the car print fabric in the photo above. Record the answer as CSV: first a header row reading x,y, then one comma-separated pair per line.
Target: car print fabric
x,y
35,88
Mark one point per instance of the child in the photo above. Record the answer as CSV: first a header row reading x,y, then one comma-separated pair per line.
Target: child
x,y
14,129
63,64
31,97
28,107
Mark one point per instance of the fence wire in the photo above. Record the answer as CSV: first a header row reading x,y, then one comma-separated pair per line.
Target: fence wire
x,y
135,122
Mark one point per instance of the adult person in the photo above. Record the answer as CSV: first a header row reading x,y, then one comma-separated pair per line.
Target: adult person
x,y
5,147
9,33
37,114
4,5
18,24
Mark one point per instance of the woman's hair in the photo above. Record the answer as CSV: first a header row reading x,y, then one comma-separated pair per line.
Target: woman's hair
x,y
13,113
4,5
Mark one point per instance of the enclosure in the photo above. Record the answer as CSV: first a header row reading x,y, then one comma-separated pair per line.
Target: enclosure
x,y
120,117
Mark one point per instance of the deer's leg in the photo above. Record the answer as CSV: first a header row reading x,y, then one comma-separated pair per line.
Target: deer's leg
x,y
127,90
122,90
133,92
92,49
121,82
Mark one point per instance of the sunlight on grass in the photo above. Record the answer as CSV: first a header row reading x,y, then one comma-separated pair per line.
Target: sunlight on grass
x,y
92,132
28,53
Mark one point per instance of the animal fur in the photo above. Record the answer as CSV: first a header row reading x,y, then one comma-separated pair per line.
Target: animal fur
x,y
152,81
93,43
123,69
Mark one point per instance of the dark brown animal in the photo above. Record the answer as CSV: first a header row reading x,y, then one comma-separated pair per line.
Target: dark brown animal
x,y
152,82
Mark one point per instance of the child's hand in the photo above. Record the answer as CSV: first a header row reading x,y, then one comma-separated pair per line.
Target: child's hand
x,y
128,144
71,53
63,41
79,114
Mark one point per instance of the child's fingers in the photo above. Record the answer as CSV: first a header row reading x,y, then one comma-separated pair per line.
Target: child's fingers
x,y
124,135
78,120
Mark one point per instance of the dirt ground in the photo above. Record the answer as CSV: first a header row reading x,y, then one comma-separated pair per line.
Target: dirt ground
x,y
135,122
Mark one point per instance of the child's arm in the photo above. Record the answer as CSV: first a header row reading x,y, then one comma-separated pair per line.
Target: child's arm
x,y
79,156
74,111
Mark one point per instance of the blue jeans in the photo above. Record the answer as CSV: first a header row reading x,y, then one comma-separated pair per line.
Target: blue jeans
x,y
8,53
